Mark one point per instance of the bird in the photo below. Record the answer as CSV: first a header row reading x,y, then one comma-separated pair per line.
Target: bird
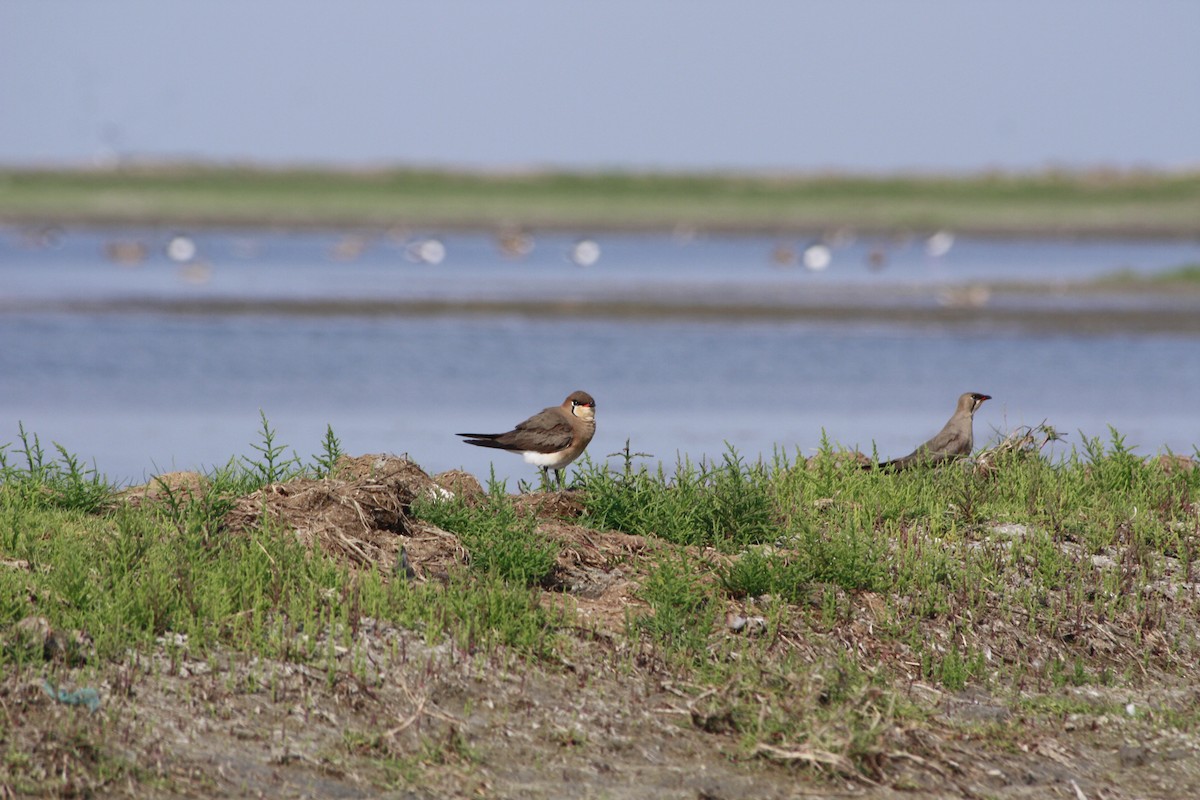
x,y
551,438
952,441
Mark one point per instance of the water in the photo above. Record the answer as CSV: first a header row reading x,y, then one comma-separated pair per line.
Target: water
x,y
147,392
263,265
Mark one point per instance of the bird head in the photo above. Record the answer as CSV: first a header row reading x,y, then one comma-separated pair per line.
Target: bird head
x,y
581,405
971,401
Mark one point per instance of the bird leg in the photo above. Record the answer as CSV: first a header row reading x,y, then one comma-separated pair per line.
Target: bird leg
x,y
558,473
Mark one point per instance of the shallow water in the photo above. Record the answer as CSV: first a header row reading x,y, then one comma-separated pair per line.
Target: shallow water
x,y
147,392
305,265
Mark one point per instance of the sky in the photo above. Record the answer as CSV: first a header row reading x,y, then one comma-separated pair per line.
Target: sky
x,y
775,85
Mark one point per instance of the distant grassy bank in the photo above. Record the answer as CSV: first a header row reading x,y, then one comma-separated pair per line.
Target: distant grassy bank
x,y
1051,203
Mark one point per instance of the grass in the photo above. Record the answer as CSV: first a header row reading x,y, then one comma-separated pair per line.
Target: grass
x,y
502,542
724,504
131,575
1046,203
1014,573
1186,276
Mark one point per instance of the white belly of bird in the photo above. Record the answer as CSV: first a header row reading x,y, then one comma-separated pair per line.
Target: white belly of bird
x,y
553,460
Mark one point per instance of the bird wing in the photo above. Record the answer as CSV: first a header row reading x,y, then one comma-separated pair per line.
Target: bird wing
x,y
544,432
950,441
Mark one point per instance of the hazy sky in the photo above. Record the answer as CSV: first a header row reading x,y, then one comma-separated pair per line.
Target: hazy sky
x,y
789,84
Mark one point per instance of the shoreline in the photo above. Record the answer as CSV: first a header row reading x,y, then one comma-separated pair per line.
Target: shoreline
x,y
1182,320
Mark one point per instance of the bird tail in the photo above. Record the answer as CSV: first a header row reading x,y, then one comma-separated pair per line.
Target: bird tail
x,y
482,439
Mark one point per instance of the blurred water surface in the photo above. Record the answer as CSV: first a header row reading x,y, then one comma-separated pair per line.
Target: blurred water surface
x,y
145,392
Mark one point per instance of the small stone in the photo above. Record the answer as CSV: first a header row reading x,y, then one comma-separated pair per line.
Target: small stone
x,y
34,630
1133,755
70,647
750,625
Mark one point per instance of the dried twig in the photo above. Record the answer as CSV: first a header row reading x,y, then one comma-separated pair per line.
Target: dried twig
x,y
815,758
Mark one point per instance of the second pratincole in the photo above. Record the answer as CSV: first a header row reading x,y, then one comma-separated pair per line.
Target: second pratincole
x,y
955,439
551,438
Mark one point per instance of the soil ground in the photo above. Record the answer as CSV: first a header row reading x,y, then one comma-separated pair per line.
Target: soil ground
x,y
434,722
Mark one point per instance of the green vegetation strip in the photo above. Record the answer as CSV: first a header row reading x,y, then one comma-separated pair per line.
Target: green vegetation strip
x,y
1185,277
1136,204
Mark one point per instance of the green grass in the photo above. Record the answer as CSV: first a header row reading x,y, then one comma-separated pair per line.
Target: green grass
x,y
501,541
789,530
1182,277
129,575
682,609
1047,203
924,542
1027,574
726,504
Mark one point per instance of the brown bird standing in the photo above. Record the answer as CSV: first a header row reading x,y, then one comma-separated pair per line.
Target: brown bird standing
x,y
956,439
551,438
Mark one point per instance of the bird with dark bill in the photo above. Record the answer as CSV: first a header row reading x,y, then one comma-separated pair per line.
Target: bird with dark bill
x,y
955,440
551,438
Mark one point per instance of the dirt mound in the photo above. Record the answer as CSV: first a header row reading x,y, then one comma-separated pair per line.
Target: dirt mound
x,y
550,505
1170,463
358,513
178,486
461,484
361,515
596,570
